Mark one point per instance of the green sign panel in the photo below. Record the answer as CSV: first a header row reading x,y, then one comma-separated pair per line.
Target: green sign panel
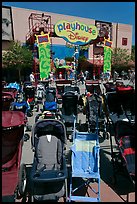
x,y
107,59
44,59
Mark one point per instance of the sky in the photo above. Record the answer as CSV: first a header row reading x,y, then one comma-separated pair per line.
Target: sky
x,y
116,12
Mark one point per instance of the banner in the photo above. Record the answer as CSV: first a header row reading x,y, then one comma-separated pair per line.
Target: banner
x,y
107,56
44,54
76,32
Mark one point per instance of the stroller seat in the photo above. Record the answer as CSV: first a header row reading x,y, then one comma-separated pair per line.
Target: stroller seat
x,y
85,165
49,169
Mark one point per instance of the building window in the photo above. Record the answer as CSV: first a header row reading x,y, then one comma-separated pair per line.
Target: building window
x,y
124,41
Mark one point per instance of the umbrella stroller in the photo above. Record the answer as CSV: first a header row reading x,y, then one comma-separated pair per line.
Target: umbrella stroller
x,y
85,176
95,115
48,178
125,139
69,110
13,172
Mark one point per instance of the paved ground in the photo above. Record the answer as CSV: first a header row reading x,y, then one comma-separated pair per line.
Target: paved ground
x,y
110,192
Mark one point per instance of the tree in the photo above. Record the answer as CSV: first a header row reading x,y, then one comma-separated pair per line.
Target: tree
x,y
133,53
120,59
17,57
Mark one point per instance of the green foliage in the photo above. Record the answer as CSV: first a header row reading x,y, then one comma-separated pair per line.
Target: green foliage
x,y
120,59
133,53
17,57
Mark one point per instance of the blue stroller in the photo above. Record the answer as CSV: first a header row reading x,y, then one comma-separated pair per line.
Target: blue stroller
x,y
85,166
50,103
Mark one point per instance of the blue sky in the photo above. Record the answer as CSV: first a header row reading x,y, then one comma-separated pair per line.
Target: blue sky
x,y
117,12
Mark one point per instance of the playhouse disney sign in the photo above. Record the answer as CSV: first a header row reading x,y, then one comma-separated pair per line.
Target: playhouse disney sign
x,y
76,32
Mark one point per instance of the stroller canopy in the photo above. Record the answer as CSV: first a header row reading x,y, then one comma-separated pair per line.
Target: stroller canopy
x,y
46,126
12,118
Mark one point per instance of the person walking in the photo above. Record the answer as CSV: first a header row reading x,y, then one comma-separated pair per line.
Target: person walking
x,y
82,77
32,78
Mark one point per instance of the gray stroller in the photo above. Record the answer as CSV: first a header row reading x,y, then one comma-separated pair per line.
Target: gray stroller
x,y
48,177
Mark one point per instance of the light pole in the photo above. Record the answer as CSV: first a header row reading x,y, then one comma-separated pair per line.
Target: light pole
x,y
75,60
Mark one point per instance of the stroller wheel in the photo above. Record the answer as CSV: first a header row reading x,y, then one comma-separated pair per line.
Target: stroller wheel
x,y
26,137
37,110
28,128
22,180
107,135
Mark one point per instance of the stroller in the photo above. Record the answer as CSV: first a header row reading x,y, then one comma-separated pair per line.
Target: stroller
x,y
10,90
71,88
69,110
50,103
110,86
7,99
13,172
125,139
126,95
95,115
85,176
48,178
60,84
29,91
93,87
40,92
14,85
120,105
20,105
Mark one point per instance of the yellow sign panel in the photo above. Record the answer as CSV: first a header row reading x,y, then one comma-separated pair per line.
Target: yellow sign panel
x,y
43,38
76,32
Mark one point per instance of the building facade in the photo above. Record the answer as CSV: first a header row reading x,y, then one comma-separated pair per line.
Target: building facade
x,y
19,23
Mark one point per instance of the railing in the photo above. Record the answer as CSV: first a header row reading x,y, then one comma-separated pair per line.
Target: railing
x,y
36,30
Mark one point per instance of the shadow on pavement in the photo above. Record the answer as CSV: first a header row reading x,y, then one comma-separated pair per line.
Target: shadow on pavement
x,y
123,184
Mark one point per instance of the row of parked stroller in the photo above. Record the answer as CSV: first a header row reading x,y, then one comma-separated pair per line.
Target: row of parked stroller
x,y
58,119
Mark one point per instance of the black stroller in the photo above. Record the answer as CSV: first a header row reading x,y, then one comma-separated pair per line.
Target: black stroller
x,y
69,110
95,115
29,92
125,157
48,179
92,87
